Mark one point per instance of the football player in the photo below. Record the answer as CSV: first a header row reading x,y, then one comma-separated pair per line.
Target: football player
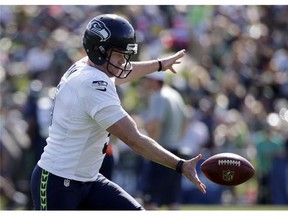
x,y
86,111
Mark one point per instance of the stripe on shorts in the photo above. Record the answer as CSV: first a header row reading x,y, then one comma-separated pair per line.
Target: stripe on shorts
x,y
43,190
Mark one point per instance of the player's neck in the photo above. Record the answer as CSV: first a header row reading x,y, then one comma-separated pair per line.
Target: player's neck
x,y
99,67
90,63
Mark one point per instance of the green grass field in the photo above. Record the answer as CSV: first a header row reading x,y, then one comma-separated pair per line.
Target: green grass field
x,y
235,207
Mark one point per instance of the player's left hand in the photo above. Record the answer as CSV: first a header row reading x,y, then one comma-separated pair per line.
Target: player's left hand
x,y
168,62
189,170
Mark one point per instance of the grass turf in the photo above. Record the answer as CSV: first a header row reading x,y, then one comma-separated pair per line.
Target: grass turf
x,y
235,207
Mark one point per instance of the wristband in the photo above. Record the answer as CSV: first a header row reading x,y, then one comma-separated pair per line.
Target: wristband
x,y
160,65
179,166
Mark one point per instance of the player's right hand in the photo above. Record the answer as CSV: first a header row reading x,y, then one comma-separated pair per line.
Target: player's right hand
x,y
189,170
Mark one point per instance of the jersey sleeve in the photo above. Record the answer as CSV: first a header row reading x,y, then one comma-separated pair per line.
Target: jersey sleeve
x,y
101,102
110,115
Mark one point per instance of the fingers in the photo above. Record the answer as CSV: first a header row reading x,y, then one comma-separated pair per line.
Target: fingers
x,y
198,157
175,57
168,62
172,70
174,62
182,53
202,187
178,55
197,182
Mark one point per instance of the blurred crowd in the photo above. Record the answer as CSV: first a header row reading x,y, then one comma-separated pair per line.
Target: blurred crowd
x,y
234,79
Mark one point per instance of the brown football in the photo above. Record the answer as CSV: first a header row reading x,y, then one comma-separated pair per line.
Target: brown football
x,y
227,169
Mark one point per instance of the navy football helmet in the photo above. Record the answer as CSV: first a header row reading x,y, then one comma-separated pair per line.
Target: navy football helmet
x,y
110,31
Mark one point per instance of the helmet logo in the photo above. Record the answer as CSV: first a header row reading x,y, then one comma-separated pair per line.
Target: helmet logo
x,y
100,29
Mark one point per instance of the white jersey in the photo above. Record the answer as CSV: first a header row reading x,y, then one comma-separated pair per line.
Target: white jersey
x,y
86,104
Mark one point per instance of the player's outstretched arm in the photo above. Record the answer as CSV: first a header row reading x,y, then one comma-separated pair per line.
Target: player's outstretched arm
x,y
126,130
143,68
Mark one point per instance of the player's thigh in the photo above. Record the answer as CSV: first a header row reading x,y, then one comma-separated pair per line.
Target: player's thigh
x,y
106,195
50,192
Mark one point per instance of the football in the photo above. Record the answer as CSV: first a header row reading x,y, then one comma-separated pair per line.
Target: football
x,y
227,169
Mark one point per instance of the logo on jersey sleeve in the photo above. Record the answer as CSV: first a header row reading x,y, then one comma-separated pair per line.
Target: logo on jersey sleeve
x,y
100,85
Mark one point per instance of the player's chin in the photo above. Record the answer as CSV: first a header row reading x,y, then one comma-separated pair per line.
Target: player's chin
x,y
122,73
116,72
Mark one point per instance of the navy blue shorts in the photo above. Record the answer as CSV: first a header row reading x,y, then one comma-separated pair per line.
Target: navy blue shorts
x,y
51,192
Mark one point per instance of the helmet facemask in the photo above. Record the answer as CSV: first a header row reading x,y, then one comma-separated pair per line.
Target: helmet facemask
x,y
126,68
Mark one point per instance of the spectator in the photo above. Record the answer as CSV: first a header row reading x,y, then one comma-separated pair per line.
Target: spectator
x,y
196,135
166,121
269,146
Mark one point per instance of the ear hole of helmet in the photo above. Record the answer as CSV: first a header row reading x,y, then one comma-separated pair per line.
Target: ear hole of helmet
x,y
98,56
